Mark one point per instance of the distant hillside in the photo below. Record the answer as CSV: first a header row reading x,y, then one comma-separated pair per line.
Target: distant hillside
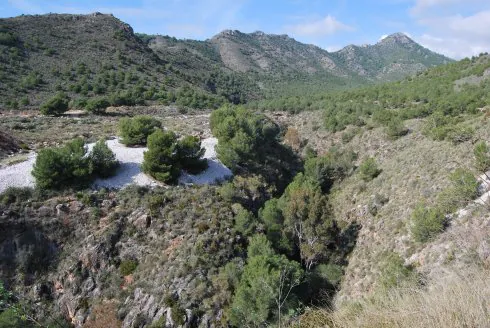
x,y
392,58
282,64
86,56
98,56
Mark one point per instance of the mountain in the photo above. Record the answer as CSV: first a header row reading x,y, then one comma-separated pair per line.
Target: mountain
x,y
97,55
392,58
272,54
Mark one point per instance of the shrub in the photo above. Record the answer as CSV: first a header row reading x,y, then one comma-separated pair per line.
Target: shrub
x,y
271,215
102,160
464,188
24,101
97,105
245,222
369,169
331,272
161,159
127,267
394,273
395,128
69,165
78,103
56,105
482,156
58,168
332,167
13,195
426,223
460,133
265,281
8,39
190,154
135,131
242,135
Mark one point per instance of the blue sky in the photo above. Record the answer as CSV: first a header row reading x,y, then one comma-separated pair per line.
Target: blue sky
x,y
456,28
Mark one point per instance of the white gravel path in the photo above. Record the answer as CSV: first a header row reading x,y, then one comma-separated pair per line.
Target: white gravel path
x,y
18,175
129,172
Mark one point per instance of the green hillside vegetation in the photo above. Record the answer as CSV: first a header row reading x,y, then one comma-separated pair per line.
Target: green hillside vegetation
x,y
346,208
434,94
113,66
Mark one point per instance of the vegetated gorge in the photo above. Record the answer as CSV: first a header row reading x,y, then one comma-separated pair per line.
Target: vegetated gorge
x,y
248,180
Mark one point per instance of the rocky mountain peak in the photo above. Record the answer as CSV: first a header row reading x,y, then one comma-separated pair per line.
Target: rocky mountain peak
x,y
399,38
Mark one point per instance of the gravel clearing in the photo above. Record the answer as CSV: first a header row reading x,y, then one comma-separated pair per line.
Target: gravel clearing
x,y
18,175
216,171
129,172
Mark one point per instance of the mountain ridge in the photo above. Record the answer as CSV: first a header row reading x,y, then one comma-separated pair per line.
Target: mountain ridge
x,y
87,56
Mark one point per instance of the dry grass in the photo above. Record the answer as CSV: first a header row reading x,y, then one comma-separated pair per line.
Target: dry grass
x,y
457,300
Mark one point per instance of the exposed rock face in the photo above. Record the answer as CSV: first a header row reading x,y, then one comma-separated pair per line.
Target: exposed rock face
x,y
269,53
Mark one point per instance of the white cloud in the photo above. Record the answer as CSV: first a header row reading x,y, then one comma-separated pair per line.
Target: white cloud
x,y
325,26
453,47
423,7
384,36
333,48
455,28
457,36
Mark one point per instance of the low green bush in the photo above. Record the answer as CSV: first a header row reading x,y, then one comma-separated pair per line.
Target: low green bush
x,y
482,156
135,131
127,267
395,128
426,223
190,154
333,166
166,156
97,105
394,273
161,159
56,105
102,159
70,166
61,167
369,169
463,189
